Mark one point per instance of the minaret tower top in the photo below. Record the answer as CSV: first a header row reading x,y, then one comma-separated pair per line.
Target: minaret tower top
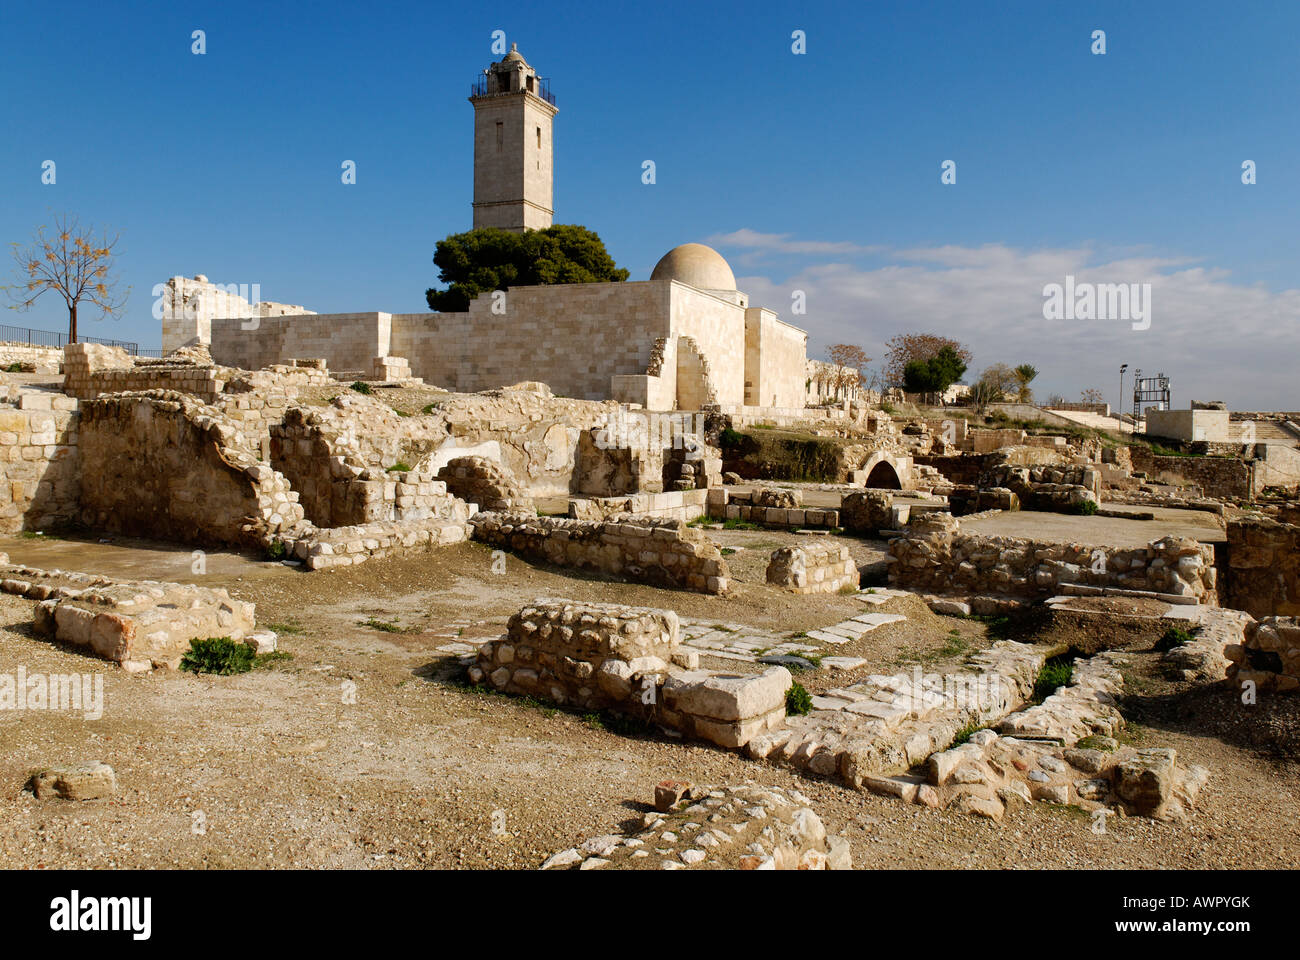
x,y
513,147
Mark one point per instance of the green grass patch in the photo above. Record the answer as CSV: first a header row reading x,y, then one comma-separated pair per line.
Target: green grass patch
x,y
401,466
727,551
1094,742
798,701
737,524
286,627
219,655
1056,672
1174,637
384,626
274,658
966,732
362,387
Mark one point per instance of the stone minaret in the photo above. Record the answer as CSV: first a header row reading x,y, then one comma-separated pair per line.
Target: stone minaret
x,y
513,111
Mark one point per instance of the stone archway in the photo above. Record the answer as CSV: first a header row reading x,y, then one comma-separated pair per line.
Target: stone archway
x,y
883,476
885,472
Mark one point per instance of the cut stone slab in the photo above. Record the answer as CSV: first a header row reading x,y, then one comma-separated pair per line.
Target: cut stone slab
x,y
842,663
726,696
86,781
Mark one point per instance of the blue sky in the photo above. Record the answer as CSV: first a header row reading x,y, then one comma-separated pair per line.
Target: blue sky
x,y
818,172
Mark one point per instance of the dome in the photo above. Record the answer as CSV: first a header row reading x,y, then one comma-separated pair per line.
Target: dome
x,y
696,264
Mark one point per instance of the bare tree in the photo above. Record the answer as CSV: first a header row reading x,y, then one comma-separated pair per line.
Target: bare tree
x,y
849,362
74,263
1092,395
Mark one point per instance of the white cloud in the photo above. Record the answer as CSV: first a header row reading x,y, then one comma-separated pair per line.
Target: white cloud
x,y
1215,339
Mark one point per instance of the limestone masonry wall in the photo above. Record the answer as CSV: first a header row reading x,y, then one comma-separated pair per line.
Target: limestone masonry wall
x,y
599,656
39,359
39,462
1263,567
814,569
161,464
1216,476
1269,655
642,549
936,556
137,623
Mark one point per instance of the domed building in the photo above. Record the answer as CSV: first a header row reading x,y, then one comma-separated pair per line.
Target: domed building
x,y
681,340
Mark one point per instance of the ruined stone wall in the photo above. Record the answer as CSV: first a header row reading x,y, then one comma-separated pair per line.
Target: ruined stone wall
x,y
1215,476
91,369
40,469
485,483
1263,567
1269,655
38,359
684,505
726,505
813,569
606,656
165,466
641,549
938,557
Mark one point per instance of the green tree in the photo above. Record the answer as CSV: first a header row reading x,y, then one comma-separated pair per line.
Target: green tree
x,y
489,259
936,374
1025,373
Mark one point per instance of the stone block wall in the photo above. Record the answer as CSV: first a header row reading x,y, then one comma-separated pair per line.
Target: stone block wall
x,y
684,505
592,655
606,656
91,369
33,359
1219,477
814,569
641,549
485,483
726,505
163,465
1045,487
1263,567
937,557
1269,655
321,549
40,470
139,624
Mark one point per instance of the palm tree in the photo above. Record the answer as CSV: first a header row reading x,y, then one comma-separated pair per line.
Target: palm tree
x,y
1025,373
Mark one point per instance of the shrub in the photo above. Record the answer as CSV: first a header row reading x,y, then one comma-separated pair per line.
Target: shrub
x,y
1056,672
275,550
798,701
362,387
1173,637
219,655
965,733
730,438
401,466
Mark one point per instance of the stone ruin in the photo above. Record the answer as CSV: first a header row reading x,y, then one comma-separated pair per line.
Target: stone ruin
x,y
1268,656
604,656
138,624
813,569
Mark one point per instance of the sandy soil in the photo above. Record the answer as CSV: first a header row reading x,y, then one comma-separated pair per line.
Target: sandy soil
x,y
364,750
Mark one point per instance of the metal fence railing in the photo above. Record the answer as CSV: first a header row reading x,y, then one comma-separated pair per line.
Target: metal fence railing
x,y
50,338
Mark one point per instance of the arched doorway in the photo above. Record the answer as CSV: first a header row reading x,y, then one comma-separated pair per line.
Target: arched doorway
x,y
883,476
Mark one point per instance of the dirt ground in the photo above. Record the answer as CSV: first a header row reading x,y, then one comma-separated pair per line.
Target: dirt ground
x,y
364,749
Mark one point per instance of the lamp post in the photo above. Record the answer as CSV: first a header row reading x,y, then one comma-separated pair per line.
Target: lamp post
x,y
1120,415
